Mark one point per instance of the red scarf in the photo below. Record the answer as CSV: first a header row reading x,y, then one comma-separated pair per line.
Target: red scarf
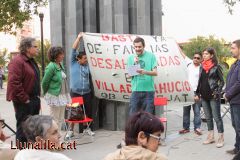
x,y
207,65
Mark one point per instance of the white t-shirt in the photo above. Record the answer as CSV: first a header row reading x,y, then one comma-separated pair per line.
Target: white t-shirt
x,y
193,73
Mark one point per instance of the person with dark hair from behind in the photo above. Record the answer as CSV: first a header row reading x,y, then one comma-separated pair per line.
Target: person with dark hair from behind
x,y
80,81
142,84
142,135
209,89
42,131
232,95
23,87
55,86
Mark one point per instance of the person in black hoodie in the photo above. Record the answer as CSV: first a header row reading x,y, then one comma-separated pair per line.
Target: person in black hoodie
x,y
209,89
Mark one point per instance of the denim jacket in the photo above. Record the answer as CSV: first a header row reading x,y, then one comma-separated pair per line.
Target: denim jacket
x,y
80,76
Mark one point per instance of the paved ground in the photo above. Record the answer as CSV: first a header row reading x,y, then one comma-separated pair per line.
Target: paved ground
x,y
178,147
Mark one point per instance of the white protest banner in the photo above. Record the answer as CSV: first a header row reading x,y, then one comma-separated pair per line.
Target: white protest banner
x,y
107,56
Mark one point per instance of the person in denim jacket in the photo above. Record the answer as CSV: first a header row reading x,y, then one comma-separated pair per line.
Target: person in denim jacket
x,y
80,81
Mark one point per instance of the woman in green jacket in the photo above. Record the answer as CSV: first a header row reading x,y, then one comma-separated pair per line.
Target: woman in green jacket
x,y
54,85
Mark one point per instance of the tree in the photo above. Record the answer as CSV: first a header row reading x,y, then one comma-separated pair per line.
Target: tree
x,y
14,12
199,43
3,54
230,4
39,57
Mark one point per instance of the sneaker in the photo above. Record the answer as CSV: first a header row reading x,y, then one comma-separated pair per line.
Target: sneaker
x,y
89,132
183,131
198,131
69,135
232,151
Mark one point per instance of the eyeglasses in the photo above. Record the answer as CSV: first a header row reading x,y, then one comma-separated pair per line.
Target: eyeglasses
x,y
198,58
153,136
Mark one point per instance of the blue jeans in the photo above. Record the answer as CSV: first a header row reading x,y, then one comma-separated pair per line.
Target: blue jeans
x,y
212,110
141,101
197,117
235,116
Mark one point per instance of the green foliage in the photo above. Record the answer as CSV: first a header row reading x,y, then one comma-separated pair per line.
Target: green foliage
x,y
14,12
3,57
200,43
46,46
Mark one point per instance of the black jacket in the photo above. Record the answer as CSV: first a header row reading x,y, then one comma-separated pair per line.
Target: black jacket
x,y
215,80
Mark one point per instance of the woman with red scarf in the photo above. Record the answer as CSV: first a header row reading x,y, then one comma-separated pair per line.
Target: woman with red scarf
x,y
209,89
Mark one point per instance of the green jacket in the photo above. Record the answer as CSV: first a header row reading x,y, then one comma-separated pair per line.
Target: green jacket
x,y
52,79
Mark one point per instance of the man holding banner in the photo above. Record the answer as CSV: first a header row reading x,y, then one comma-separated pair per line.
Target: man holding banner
x,y
80,80
142,66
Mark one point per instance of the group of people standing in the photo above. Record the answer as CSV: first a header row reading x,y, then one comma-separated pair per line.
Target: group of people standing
x,y
205,77
24,86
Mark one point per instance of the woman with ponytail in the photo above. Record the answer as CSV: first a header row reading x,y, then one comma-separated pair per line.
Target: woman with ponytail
x,y
209,90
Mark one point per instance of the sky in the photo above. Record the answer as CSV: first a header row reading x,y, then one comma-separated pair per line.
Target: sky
x,y
185,19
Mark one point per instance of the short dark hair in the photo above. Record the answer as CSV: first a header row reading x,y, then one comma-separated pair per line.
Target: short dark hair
x,y
139,39
36,125
53,53
141,121
25,44
81,54
237,42
198,53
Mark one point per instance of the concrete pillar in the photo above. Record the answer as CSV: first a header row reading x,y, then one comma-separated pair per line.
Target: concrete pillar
x,y
90,16
143,17
132,16
121,20
156,18
106,16
57,22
